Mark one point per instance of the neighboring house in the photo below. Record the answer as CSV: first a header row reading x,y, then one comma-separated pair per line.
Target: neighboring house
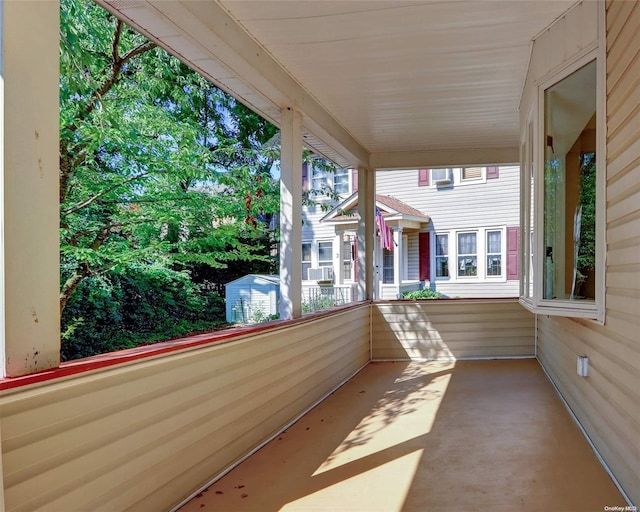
x,y
447,236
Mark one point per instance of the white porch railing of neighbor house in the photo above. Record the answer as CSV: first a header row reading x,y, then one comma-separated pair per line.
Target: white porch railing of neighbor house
x,y
316,298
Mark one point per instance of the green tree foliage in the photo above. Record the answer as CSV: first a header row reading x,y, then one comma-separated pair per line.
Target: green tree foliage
x,y
161,174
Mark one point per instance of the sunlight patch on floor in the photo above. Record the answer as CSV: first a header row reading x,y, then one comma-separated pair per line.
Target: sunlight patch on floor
x,y
405,412
391,481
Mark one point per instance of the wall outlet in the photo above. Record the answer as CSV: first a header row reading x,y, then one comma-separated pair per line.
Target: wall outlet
x,y
583,366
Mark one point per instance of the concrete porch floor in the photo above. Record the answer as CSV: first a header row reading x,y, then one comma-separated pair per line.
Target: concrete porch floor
x,y
419,437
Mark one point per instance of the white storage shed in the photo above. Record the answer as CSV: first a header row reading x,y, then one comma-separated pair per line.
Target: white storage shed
x,y
252,298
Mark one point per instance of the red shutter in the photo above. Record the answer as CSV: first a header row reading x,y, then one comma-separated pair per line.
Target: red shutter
x,y
354,180
492,172
305,176
513,252
424,256
423,177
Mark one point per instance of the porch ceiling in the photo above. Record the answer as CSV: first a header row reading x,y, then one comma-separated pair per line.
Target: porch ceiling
x,y
380,83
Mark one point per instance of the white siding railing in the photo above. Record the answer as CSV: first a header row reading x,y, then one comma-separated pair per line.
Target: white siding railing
x,y
146,435
451,329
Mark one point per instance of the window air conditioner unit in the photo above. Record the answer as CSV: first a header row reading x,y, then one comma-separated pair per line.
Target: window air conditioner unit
x,y
442,177
320,274
327,273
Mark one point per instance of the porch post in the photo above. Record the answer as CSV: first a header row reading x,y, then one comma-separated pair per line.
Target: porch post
x,y
398,257
29,213
290,214
366,231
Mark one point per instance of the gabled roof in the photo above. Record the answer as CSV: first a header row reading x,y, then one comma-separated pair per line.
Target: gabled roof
x,y
257,278
390,208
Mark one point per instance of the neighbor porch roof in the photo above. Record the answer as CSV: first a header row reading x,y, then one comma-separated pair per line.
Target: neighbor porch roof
x,y
394,211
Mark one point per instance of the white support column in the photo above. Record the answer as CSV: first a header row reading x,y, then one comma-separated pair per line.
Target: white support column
x,y
398,257
290,214
338,258
29,213
366,232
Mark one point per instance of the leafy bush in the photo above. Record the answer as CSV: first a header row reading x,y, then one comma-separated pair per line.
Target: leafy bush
x,y
136,306
423,294
317,303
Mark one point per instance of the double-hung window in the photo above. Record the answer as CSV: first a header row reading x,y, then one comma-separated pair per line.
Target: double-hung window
x,y
442,255
306,260
325,254
347,260
494,253
319,178
341,182
467,255
387,267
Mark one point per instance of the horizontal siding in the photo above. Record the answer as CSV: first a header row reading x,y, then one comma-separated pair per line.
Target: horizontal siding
x,y
607,402
495,202
312,228
572,33
170,424
503,289
446,329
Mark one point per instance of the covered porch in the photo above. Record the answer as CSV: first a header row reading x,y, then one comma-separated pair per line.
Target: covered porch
x,y
375,85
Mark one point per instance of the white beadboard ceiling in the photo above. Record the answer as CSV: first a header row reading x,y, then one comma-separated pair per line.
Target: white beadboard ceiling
x,y
379,83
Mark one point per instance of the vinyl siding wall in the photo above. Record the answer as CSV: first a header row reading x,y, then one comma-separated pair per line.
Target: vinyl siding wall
x,y
607,402
146,435
492,203
312,228
447,329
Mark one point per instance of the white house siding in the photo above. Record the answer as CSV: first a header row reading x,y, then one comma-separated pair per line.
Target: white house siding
x,y
312,228
494,203
146,435
607,402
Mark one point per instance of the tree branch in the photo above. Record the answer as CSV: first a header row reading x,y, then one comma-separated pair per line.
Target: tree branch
x,y
109,228
115,75
102,193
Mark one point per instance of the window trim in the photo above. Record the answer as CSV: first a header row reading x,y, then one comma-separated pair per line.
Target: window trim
x,y
594,310
481,255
